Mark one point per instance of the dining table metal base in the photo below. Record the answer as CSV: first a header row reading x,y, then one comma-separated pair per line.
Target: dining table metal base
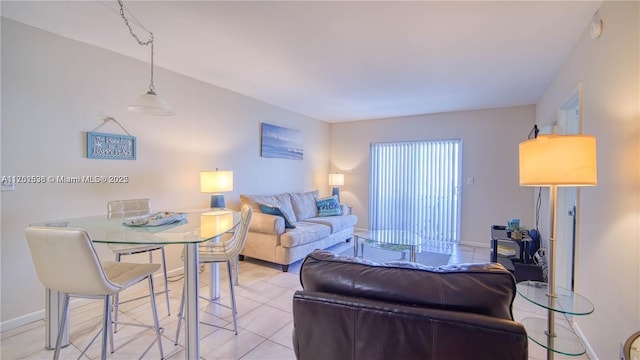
x,y
192,318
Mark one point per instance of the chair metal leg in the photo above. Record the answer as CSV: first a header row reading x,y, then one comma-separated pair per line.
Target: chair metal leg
x,y
111,337
65,306
180,314
237,269
233,306
166,281
154,310
106,322
234,310
116,301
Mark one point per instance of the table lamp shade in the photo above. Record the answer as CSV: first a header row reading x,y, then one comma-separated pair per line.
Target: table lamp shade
x,y
561,160
336,179
216,181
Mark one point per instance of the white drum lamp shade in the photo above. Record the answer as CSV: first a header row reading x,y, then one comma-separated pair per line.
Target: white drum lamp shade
x,y
336,180
216,182
561,160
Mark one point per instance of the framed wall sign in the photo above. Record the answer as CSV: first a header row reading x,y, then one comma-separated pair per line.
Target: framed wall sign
x,y
280,142
111,146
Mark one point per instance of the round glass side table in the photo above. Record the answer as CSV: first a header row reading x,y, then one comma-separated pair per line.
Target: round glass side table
x,y
554,337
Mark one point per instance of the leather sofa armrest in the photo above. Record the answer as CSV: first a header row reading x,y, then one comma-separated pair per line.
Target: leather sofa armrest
x,y
265,223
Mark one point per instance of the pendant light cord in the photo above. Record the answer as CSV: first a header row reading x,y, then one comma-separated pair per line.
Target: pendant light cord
x,y
140,42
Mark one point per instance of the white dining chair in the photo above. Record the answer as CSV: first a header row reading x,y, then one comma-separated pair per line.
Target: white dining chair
x,y
130,208
218,252
66,261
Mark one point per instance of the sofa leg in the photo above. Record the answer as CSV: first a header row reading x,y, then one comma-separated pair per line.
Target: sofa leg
x,y
241,257
285,268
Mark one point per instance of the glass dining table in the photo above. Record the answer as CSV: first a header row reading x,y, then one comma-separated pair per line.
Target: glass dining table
x,y
193,226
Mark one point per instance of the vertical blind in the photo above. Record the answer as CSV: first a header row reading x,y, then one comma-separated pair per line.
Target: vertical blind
x,y
414,186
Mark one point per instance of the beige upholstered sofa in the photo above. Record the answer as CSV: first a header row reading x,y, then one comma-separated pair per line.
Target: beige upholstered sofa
x,y
269,240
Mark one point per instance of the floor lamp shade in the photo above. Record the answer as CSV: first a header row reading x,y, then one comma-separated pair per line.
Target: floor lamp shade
x,y
561,160
216,182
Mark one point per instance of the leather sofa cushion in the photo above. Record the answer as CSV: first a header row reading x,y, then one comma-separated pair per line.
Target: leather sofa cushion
x,y
304,232
487,289
336,223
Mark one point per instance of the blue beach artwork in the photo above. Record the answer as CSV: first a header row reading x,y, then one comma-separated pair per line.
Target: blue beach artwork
x,y
280,142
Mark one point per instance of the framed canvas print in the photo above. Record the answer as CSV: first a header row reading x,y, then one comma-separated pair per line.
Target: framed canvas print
x,y
281,142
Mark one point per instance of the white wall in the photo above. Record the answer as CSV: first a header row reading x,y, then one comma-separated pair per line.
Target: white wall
x,y
490,141
608,266
54,89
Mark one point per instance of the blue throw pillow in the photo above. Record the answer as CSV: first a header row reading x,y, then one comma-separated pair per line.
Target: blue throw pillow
x,y
328,206
274,210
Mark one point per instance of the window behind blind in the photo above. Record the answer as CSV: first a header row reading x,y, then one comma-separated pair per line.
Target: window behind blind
x,y
415,186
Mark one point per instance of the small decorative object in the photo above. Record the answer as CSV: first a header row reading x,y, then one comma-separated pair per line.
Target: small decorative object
x,y
111,146
514,229
280,142
157,219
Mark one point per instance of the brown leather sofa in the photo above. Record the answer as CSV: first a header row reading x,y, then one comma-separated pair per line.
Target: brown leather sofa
x,y
355,309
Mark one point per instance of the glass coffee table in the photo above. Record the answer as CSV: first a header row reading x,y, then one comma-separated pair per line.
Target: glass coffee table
x,y
394,240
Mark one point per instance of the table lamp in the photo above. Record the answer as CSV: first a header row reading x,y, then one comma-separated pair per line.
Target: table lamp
x,y
552,161
216,182
336,180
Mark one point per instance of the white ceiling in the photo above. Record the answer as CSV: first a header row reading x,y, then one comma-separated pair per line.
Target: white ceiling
x,y
337,60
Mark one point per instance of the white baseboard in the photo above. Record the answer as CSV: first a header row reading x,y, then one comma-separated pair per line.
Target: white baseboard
x,y
74,303
484,244
37,315
590,352
21,320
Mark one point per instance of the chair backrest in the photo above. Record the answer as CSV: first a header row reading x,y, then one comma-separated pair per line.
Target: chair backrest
x,y
126,208
66,261
234,245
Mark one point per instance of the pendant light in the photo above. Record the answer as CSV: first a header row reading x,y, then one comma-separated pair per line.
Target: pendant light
x,y
149,103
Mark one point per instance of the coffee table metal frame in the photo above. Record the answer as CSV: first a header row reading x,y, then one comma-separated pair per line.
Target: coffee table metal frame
x,y
395,240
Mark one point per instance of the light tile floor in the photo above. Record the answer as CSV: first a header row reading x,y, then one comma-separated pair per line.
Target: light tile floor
x,y
264,299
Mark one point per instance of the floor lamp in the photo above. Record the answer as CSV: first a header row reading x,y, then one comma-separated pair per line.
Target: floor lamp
x,y
552,161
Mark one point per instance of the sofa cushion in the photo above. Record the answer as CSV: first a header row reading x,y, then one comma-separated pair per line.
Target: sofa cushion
x,y
488,288
328,206
336,223
274,210
304,204
266,224
305,232
283,201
